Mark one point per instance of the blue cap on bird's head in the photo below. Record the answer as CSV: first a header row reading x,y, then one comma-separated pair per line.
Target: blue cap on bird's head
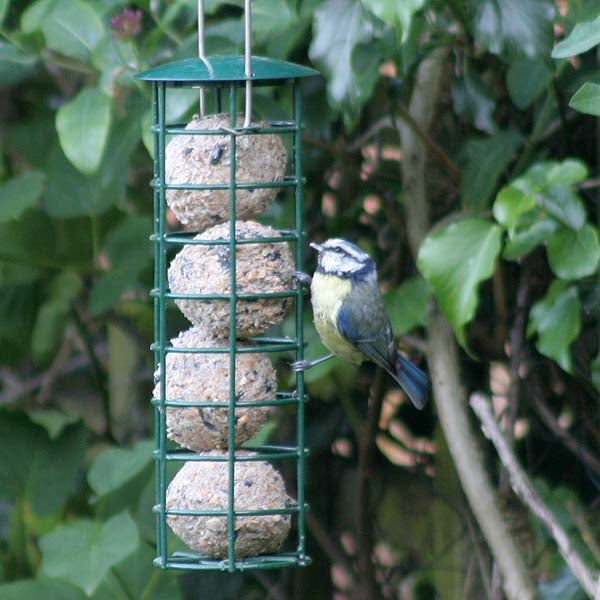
x,y
343,258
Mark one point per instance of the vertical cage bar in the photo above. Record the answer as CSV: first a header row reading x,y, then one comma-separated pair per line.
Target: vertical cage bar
x,y
162,325
156,250
232,331
161,332
299,190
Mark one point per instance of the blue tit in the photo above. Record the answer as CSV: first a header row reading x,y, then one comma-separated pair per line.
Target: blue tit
x,y
350,316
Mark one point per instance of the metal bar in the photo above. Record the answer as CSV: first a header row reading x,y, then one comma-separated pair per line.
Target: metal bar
x,y
248,60
201,96
232,334
162,326
301,471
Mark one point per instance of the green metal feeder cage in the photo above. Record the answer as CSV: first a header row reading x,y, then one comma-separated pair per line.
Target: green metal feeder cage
x,y
219,78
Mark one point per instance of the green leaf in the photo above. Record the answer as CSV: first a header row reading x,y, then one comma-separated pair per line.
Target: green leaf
x,y
72,28
526,239
42,587
20,193
526,79
587,99
72,194
563,204
511,202
584,36
4,4
514,27
455,260
50,323
83,552
15,65
33,467
396,14
340,27
557,322
595,372
53,421
568,172
129,252
473,102
83,124
574,254
138,575
407,304
487,160
114,467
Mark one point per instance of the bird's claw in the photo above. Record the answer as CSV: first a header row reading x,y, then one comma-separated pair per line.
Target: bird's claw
x,y
302,278
300,365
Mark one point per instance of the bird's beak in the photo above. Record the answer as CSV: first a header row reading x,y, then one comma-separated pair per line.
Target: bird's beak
x,y
316,246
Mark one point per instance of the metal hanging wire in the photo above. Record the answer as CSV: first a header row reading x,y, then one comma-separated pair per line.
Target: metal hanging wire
x,y
248,60
201,55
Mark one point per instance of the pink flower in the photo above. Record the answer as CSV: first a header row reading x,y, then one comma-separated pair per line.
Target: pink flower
x,y
128,23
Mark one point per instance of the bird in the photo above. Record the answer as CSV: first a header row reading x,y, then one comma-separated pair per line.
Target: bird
x,y
351,319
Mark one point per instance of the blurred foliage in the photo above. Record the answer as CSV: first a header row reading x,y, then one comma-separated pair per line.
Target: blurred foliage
x,y
513,190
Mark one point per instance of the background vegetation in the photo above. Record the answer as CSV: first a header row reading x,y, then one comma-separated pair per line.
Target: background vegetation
x,y
452,140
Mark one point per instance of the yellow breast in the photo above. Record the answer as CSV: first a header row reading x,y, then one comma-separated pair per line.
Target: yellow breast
x,y
327,294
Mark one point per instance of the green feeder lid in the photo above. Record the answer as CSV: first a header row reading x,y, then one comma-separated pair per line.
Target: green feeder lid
x,y
219,69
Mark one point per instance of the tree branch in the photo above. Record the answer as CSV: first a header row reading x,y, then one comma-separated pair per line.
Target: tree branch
x,y
524,489
442,355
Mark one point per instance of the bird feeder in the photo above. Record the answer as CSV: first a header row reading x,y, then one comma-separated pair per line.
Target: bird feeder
x,y
232,278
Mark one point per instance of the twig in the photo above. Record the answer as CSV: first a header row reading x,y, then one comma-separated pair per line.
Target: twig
x,y
442,354
55,370
330,546
517,336
584,529
274,589
575,446
522,486
434,148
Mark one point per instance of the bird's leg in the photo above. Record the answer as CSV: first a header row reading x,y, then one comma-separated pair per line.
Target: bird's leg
x,y
302,278
303,365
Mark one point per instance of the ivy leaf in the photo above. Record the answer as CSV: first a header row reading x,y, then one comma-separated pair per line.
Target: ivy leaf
x,y
407,304
487,160
114,467
455,260
557,322
529,237
473,102
511,202
574,254
587,99
52,315
15,65
42,471
526,79
83,552
585,35
41,587
83,124
396,14
514,27
563,204
20,193
340,28
568,172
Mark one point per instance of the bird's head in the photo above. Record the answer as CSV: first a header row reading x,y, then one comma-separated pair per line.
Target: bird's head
x,y
344,259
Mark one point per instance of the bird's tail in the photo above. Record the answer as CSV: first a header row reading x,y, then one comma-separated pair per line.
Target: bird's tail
x,y
413,381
